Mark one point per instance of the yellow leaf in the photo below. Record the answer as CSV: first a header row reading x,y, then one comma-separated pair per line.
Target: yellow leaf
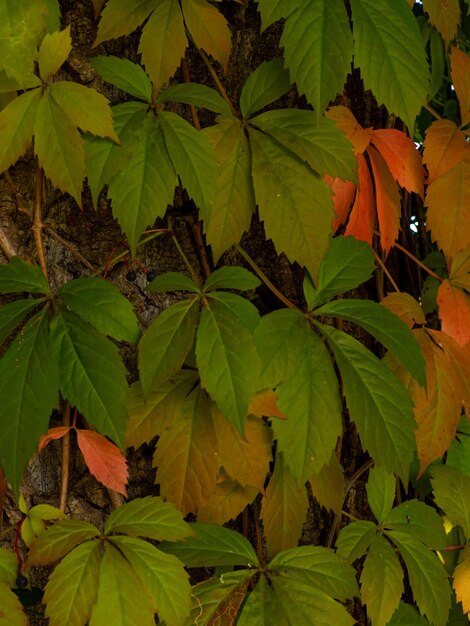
x,y
208,28
163,42
187,456
345,120
245,459
444,147
328,486
454,312
448,202
227,500
460,69
405,307
53,52
284,509
462,581
444,15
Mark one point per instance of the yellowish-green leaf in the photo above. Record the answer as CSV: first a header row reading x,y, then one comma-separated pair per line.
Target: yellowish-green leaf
x,y
122,600
329,486
17,126
121,17
445,16
72,588
274,10
53,52
59,539
11,611
128,76
405,307
234,201
187,456
85,107
163,42
59,147
266,84
284,508
451,490
8,566
380,492
208,28
294,202
461,578
354,539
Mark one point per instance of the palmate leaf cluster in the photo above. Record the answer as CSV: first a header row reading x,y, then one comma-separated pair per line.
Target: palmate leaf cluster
x,y
249,407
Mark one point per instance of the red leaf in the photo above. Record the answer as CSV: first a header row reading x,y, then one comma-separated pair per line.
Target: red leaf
x,y
444,147
454,312
387,199
104,460
402,158
52,433
344,191
362,218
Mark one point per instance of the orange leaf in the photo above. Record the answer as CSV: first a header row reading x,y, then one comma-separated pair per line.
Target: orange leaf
x,y
444,147
405,307
362,217
344,192
104,460
402,158
448,202
461,581
387,200
454,312
345,120
264,403
52,433
444,15
460,64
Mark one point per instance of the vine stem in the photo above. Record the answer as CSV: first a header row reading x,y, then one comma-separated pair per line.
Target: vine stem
x,y
264,278
6,245
37,219
433,112
385,271
183,256
65,467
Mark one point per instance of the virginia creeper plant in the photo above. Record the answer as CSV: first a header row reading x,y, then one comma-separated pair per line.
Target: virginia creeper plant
x,y
254,405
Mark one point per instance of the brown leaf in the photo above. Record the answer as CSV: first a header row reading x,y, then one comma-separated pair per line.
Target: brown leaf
x,y
226,502
329,486
264,404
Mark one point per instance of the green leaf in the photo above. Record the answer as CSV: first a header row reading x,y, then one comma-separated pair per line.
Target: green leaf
x,y
52,17
103,157
262,607
323,146
17,121
59,147
318,48
231,277
173,281
163,42
193,159
284,508
8,567
418,520
122,73
279,339
162,575
294,202
397,70
142,191
451,490
28,388
211,545
458,455
377,402
149,517
310,400
428,578
197,95
101,304
12,610
227,361
266,84
380,492
242,308
234,202
319,567
58,539
72,588
347,263
274,10
354,540
381,581
166,342
18,275
92,376
85,107
121,17
53,52
386,327
407,615
122,600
